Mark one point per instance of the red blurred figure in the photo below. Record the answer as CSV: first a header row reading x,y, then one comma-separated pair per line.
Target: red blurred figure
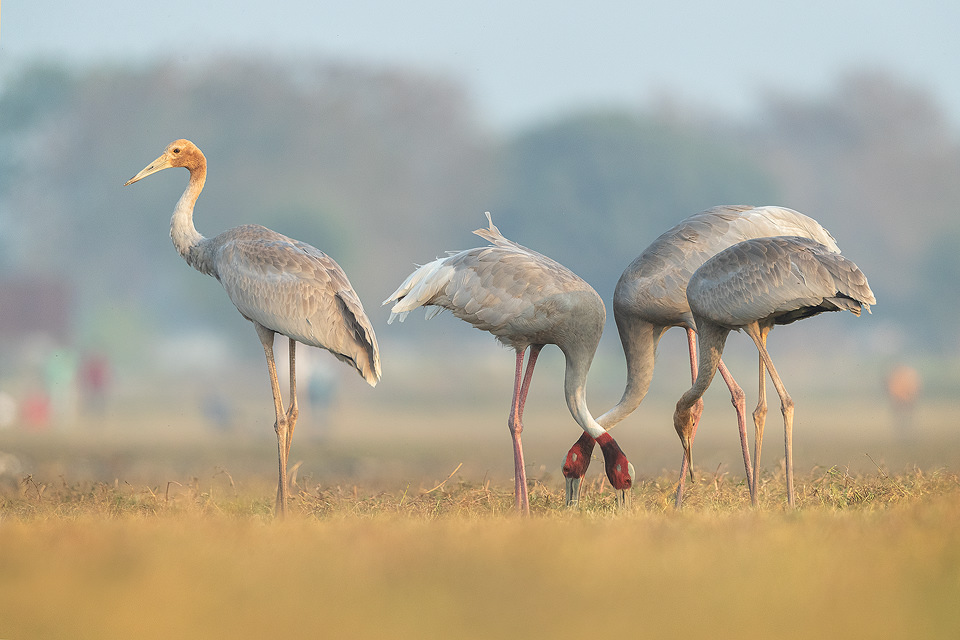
x,y
94,380
903,386
36,411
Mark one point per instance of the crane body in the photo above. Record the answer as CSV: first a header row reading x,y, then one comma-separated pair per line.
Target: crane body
x,y
650,298
526,300
753,286
279,284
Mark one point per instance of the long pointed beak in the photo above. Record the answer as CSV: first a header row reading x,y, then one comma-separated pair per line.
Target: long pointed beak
x,y
688,453
160,163
624,497
574,487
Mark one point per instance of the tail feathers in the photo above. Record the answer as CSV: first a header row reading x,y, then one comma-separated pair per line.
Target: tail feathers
x,y
364,354
419,289
853,290
493,236
427,283
843,303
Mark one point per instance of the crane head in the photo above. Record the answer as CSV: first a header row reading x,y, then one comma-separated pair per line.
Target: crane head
x,y
179,153
619,470
685,419
575,466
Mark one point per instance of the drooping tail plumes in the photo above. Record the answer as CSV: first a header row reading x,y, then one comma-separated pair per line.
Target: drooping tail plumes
x,y
419,289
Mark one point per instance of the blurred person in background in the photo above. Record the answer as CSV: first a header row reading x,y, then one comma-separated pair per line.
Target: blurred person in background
x,y
903,385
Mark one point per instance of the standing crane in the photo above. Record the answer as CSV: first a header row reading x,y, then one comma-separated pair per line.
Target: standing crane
x,y
753,286
651,297
279,284
524,299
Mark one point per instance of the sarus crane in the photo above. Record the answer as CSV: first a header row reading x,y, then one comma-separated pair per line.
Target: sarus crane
x,y
524,299
279,284
753,286
651,297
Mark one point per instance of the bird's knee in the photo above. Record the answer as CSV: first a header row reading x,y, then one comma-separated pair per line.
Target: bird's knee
x,y
737,397
760,414
786,406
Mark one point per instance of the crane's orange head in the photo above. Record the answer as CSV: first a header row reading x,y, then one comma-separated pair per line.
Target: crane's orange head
x,y
685,419
179,153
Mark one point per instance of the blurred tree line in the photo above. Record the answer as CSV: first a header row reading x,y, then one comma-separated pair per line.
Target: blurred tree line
x,y
383,168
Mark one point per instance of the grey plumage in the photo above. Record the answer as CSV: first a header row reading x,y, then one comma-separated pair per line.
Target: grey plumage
x,y
525,299
776,281
753,286
280,284
651,296
520,296
654,286
296,290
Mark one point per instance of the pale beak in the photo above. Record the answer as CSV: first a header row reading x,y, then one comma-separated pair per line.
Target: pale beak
x,y
574,487
688,454
624,497
160,163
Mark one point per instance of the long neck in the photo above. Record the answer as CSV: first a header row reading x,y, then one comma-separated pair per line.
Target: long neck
x,y
639,339
185,236
575,391
710,339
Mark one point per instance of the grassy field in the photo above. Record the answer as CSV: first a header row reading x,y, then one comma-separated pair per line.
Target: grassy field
x,y
399,531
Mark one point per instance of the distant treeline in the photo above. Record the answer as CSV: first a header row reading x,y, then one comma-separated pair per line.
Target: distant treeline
x,y
384,168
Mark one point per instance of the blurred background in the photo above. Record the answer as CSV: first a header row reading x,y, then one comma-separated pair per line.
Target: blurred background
x,y
380,132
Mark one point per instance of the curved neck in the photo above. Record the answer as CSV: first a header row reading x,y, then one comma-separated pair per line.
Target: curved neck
x,y
185,236
710,339
575,392
639,339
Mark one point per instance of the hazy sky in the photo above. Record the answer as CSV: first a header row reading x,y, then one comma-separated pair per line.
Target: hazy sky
x,y
525,59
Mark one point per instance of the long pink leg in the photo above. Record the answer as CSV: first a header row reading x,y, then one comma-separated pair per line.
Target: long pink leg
x,y
266,338
521,387
292,411
685,464
738,400
528,376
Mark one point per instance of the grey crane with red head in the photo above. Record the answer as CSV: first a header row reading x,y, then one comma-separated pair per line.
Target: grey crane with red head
x,y
651,297
526,300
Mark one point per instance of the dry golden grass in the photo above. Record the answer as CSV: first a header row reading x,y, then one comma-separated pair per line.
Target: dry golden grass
x,y
152,528
864,556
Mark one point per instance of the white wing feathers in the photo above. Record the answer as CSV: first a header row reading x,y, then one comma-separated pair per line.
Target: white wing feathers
x,y
419,288
503,288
